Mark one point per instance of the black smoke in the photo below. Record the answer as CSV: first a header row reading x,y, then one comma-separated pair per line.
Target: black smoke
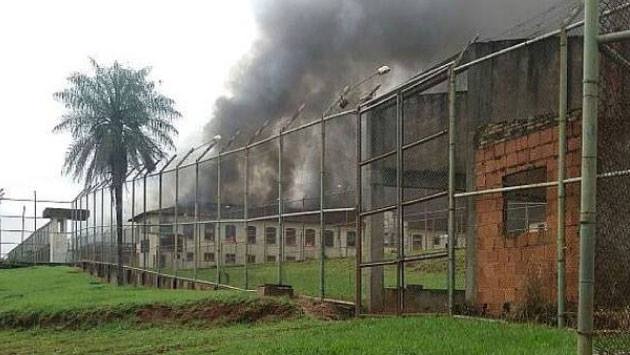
x,y
308,50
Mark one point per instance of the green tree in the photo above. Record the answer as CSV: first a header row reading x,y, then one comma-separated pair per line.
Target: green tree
x,y
118,121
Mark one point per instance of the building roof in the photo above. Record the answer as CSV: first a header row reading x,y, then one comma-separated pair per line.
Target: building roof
x,y
66,213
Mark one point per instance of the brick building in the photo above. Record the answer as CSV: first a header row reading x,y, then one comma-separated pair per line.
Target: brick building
x,y
516,230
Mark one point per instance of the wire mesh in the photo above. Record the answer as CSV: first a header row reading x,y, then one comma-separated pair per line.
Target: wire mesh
x,y
507,138
612,318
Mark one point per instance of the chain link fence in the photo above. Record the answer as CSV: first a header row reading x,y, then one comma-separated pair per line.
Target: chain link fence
x,y
457,191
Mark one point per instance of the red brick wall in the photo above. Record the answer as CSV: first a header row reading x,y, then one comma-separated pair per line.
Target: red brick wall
x,y
506,265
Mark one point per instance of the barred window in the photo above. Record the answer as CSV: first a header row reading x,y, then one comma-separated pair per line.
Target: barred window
x,y
270,235
208,232
351,239
525,210
309,238
251,235
230,233
290,237
329,238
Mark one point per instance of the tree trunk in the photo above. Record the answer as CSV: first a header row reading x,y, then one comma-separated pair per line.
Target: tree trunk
x,y
119,232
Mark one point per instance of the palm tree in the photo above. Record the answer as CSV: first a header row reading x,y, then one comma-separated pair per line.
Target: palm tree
x,y
118,121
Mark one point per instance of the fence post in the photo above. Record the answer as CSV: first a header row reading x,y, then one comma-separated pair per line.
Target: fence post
x,y
562,142
144,244
34,226
133,213
358,290
22,235
452,92
158,255
176,224
175,255
196,229
112,229
322,250
280,208
400,265
94,225
246,217
217,237
588,192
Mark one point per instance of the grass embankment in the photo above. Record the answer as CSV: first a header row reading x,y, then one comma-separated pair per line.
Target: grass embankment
x,y
64,296
414,335
339,275
47,291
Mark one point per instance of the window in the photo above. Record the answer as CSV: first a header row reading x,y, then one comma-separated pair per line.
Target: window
x,y
271,258
290,258
166,230
162,260
145,246
525,210
208,232
251,235
417,241
189,230
309,238
351,239
329,238
190,256
208,257
230,259
270,235
230,233
251,259
290,238
436,241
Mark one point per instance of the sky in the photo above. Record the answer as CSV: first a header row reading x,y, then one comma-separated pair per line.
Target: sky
x,y
192,47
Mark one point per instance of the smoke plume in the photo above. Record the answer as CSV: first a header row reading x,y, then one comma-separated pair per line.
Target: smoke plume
x,y
308,50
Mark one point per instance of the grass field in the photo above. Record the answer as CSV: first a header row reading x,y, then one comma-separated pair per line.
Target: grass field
x,y
417,335
339,272
63,289
58,289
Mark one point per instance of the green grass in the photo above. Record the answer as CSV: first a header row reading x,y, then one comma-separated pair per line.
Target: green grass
x,y
63,290
339,275
413,335
51,290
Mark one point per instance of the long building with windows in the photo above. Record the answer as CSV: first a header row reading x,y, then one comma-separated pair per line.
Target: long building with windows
x,y
153,239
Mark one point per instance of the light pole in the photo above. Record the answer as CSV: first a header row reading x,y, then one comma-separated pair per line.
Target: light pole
x,y
215,140
341,102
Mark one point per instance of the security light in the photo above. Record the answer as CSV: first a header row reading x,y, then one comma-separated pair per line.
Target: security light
x,y
383,70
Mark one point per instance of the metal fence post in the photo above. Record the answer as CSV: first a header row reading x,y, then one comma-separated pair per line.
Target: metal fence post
x,y
144,245
246,217
176,224
322,250
588,192
94,225
562,142
112,230
217,237
280,208
102,253
34,226
452,92
159,239
358,220
175,228
158,256
22,235
400,265
196,229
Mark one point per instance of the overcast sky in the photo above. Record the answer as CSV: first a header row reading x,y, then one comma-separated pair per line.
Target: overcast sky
x,y
191,45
